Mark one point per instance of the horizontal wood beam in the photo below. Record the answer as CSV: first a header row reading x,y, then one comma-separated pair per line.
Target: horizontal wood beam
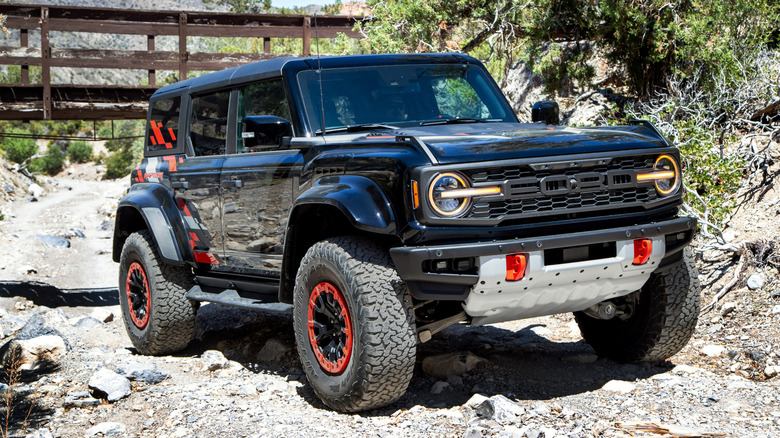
x,y
129,59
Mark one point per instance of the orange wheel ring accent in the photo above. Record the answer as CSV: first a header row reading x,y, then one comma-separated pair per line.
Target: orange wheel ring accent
x,y
139,298
330,328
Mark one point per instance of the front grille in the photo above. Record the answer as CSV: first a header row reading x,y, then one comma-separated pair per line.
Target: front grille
x,y
563,187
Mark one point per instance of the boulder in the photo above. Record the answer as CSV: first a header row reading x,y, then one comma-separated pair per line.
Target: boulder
x,y
756,281
53,241
442,366
108,385
143,373
273,351
30,354
35,190
213,360
106,429
499,409
619,386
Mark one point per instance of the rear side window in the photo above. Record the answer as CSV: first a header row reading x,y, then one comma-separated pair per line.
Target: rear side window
x,y
208,124
163,127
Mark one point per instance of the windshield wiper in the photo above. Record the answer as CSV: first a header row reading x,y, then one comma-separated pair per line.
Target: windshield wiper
x,y
452,121
357,128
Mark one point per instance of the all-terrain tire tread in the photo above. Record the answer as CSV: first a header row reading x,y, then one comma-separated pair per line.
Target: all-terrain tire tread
x,y
673,314
384,312
172,316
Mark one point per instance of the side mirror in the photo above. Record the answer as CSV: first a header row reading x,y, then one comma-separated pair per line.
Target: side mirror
x,y
546,111
259,131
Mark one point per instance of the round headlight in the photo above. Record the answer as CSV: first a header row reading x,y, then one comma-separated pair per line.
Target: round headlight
x,y
666,167
440,194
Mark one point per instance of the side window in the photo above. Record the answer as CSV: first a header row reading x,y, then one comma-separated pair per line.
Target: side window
x,y
456,98
261,99
163,125
208,124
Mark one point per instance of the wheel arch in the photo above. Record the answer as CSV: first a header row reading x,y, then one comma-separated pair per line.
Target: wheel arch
x,y
309,223
152,207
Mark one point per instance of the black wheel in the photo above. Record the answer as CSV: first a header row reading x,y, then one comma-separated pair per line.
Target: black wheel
x,y
158,317
660,321
354,325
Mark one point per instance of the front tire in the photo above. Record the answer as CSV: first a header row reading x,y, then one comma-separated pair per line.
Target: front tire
x,y
664,316
158,317
354,325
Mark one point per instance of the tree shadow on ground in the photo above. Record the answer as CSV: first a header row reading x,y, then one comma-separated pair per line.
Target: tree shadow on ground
x,y
42,294
520,365
20,409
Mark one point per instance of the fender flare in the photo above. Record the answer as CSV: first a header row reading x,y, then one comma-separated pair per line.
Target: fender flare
x,y
360,199
154,203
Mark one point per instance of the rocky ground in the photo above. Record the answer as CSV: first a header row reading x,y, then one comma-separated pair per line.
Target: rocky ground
x,y
241,376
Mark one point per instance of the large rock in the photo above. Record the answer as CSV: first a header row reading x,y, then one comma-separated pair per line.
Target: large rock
x,y
36,190
445,365
43,323
106,429
213,360
273,351
619,386
500,409
143,373
109,385
756,281
29,354
522,88
53,241
587,109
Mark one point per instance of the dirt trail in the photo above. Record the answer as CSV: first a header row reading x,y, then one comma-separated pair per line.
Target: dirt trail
x,y
69,208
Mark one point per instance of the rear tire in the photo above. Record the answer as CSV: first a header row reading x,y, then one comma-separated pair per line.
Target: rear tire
x,y
354,325
662,322
158,317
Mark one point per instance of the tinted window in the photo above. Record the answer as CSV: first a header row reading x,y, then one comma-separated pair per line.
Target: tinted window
x,y
208,125
400,95
163,125
260,99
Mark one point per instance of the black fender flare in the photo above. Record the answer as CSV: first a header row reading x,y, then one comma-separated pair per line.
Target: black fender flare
x,y
155,204
360,199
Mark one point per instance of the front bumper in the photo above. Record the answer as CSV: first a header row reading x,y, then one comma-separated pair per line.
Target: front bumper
x,y
411,262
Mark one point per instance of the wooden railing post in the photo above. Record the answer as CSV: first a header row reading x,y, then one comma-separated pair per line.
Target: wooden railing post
x,y
24,42
150,47
45,63
182,46
306,36
266,45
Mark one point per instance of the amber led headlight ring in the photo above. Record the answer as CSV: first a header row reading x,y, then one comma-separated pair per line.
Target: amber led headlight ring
x,y
665,175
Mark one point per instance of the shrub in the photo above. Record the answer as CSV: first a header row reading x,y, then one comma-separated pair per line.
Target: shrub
x,y
51,163
19,150
79,152
119,164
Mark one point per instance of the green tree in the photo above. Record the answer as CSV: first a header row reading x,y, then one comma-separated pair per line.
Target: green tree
x,y
18,149
651,39
125,150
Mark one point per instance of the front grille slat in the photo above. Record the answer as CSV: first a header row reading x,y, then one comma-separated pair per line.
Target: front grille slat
x,y
526,193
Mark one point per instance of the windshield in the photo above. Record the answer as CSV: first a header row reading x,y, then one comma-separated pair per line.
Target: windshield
x,y
399,95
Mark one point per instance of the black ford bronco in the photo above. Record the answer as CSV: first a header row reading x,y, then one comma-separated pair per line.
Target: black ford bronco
x,y
383,198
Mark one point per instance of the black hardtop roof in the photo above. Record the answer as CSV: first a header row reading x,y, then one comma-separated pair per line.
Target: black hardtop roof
x,y
274,67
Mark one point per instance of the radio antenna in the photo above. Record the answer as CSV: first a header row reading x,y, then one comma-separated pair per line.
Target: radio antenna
x,y
319,69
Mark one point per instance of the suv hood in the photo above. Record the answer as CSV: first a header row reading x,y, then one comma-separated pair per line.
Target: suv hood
x,y
459,143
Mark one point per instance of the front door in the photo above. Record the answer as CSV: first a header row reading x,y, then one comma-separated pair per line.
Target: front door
x,y
257,187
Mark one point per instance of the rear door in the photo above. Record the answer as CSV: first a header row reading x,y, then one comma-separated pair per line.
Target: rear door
x,y
196,180
257,187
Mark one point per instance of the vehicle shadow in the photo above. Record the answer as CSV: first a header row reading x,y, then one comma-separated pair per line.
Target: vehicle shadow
x,y
42,294
520,365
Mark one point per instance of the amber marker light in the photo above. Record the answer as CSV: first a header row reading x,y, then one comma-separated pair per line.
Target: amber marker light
x,y
415,195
